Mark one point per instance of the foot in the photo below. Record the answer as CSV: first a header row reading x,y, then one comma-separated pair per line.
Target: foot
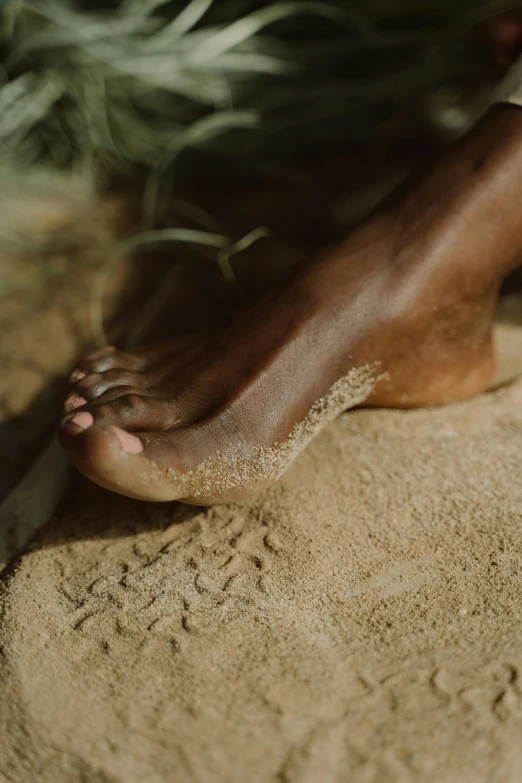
x,y
399,315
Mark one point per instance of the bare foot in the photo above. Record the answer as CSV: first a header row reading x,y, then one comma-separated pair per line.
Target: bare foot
x,y
398,315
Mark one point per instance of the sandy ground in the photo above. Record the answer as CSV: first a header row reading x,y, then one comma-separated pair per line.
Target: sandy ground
x,y
361,621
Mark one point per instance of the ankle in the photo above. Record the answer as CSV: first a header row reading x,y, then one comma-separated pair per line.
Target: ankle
x,y
467,205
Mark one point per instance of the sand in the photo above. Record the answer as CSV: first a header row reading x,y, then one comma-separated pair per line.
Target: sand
x,y
359,622
236,468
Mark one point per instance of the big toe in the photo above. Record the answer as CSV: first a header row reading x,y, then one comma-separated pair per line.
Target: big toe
x,y
124,462
165,465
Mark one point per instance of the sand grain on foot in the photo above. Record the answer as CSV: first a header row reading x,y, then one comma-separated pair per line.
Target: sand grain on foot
x,y
238,467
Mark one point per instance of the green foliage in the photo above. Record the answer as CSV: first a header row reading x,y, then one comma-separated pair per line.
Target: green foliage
x,y
128,86
109,89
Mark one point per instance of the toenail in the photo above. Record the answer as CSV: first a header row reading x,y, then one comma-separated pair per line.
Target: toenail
x,y
83,420
76,402
129,443
77,375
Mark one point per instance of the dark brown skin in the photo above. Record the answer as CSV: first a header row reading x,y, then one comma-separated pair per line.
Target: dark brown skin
x,y
413,288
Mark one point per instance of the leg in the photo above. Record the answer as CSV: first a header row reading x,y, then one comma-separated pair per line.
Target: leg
x,y
401,311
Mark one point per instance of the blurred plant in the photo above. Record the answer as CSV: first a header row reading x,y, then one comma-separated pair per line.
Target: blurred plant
x,y
124,90
128,86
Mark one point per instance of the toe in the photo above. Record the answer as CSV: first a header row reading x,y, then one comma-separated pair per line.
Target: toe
x,y
124,463
74,401
96,384
111,358
73,425
138,360
127,408
158,466
76,376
